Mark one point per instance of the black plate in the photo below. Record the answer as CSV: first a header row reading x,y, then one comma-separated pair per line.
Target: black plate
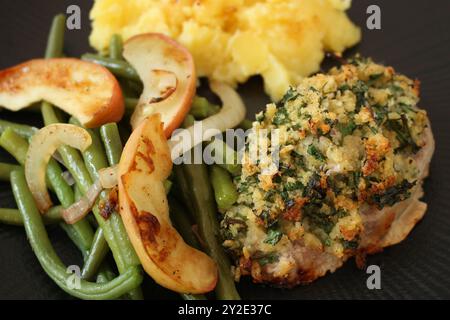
x,y
415,39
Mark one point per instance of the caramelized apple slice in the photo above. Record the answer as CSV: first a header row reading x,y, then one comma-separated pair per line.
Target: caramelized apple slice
x,y
85,90
144,166
167,71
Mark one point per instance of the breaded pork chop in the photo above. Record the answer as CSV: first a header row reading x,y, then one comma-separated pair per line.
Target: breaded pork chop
x,y
353,150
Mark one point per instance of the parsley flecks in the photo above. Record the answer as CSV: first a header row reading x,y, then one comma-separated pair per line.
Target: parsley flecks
x,y
350,245
392,195
292,186
270,258
281,116
318,218
379,113
360,89
347,128
291,94
375,76
312,150
402,133
273,236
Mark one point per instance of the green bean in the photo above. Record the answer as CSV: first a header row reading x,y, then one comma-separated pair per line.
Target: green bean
x,y
81,233
112,142
21,129
201,197
225,191
180,218
73,161
226,155
13,217
167,185
116,47
104,274
49,260
77,192
94,155
113,228
130,105
201,108
119,68
134,86
14,144
55,41
6,169
188,121
246,124
97,254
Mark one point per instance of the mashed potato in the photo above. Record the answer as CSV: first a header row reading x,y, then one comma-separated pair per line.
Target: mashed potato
x,y
231,40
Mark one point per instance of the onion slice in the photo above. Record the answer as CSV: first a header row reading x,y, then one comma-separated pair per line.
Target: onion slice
x,y
108,177
229,116
81,208
43,145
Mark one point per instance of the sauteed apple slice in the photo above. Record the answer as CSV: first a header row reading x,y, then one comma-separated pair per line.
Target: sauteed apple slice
x,y
144,166
85,90
167,71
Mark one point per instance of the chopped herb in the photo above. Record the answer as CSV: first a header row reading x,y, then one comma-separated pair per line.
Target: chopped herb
x,y
397,89
299,160
284,195
318,218
350,245
267,218
287,170
375,76
340,214
270,258
344,87
312,150
392,195
360,89
281,116
291,94
402,133
347,128
273,236
292,186
260,116
313,189
379,113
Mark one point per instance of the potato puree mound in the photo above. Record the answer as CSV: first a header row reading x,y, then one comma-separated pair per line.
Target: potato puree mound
x,y
231,40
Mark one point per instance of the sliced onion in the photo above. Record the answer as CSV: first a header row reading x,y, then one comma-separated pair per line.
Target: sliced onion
x,y
43,145
230,115
81,208
67,176
108,177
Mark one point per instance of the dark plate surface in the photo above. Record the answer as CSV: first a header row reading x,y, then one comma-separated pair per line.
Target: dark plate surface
x,y
415,39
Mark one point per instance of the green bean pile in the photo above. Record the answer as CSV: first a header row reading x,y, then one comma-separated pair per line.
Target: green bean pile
x,y
196,193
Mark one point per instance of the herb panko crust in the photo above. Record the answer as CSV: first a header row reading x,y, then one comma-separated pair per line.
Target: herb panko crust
x,y
354,149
